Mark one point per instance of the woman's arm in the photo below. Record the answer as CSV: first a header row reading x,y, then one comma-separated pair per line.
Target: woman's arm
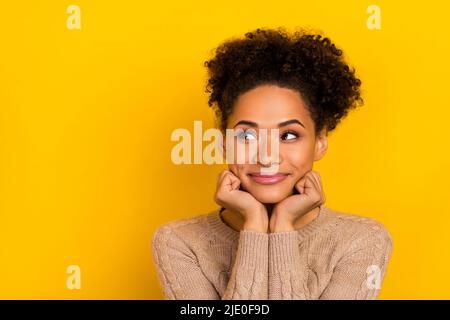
x,y
287,271
358,274
181,276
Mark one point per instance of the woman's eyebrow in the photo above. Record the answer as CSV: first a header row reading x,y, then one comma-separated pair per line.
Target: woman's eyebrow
x,y
250,123
281,124
285,123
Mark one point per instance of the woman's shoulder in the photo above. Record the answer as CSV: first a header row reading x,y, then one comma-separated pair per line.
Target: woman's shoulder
x,y
188,230
185,224
355,226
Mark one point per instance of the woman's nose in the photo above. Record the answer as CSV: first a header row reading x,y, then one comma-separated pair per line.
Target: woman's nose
x,y
268,150
265,160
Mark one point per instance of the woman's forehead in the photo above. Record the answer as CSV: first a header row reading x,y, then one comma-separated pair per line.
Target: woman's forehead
x,y
270,105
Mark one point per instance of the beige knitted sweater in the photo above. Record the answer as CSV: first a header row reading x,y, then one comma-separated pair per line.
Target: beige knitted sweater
x,y
335,256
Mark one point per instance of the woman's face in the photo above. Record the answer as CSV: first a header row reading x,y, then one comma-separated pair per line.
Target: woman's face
x,y
267,107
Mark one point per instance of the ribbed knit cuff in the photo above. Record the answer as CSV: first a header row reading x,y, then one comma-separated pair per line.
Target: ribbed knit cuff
x,y
283,250
252,250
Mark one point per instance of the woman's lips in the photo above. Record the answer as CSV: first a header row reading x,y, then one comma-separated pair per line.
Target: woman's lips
x,y
268,179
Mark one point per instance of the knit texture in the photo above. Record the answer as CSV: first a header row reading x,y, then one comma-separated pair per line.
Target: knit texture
x,y
335,256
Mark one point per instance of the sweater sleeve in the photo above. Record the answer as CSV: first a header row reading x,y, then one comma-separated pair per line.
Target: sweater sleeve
x,y
181,276
357,275
360,272
287,271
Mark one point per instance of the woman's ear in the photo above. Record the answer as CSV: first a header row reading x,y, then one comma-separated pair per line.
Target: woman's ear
x,y
321,145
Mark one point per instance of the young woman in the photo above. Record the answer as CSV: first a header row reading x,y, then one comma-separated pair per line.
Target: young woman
x,y
273,237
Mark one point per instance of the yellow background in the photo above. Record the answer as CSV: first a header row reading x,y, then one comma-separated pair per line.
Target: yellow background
x,y
86,117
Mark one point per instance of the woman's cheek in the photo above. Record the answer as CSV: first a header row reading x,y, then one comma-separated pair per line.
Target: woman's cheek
x,y
237,169
300,165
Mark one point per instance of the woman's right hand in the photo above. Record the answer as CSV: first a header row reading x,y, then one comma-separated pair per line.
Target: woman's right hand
x,y
229,196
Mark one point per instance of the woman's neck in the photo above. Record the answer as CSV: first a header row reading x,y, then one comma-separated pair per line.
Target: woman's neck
x,y
269,208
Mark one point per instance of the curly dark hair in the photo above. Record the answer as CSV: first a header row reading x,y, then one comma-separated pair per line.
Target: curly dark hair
x,y
307,62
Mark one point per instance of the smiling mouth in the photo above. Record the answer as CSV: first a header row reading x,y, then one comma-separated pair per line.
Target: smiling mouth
x,y
267,178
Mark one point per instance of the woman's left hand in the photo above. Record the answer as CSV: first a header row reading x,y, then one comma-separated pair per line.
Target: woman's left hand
x,y
288,211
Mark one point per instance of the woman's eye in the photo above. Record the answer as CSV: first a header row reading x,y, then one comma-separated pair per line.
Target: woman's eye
x,y
247,136
289,136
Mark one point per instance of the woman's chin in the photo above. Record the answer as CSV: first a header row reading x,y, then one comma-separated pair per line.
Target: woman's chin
x,y
269,194
269,197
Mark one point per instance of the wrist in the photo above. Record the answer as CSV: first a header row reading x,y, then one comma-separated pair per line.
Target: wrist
x,y
255,227
282,228
279,225
257,222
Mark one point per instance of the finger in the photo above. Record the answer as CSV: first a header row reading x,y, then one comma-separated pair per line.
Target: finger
x,y
311,188
235,170
315,176
300,185
310,184
320,179
319,182
309,181
220,178
321,185
230,182
235,183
